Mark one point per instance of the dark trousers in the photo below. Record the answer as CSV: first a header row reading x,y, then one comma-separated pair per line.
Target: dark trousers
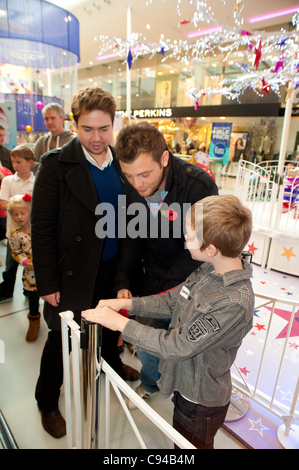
x,y
9,275
51,370
198,424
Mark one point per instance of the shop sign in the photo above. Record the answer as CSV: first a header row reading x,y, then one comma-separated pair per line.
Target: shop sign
x,y
152,113
220,141
149,113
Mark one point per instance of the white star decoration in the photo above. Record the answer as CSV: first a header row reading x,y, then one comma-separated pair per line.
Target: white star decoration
x,y
258,426
287,396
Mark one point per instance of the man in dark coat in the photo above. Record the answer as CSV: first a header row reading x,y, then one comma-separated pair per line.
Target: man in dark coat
x,y
164,187
74,267
5,159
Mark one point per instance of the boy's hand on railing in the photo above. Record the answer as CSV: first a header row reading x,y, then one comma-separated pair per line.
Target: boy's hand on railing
x,y
106,317
116,304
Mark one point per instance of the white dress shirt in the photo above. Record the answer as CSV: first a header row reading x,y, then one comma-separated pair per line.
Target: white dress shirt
x,y
91,160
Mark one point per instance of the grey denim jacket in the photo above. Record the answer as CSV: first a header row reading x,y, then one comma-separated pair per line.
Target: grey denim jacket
x,y
211,315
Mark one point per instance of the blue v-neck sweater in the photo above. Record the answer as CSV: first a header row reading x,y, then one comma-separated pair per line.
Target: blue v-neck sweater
x,y
109,186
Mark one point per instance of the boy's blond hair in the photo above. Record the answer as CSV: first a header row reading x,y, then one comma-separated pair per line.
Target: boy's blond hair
x,y
22,151
222,221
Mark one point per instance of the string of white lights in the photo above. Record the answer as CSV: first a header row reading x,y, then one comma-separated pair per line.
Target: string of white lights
x,y
280,49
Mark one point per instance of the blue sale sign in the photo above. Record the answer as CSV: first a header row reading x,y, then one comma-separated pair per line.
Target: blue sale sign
x,y
220,141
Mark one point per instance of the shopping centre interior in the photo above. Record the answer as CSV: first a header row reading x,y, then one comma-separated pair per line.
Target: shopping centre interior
x,y
193,68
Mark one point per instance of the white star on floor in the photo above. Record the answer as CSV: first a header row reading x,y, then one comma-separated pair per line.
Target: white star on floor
x,y
258,426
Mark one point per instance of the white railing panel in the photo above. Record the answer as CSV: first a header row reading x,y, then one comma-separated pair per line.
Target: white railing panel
x,y
74,430
267,367
257,187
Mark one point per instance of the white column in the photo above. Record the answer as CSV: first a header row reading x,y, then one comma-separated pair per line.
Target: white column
x,y
129,74
285,133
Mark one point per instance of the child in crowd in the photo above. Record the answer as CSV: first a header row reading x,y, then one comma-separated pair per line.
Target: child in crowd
x,y
20,183
19,209
3,215
211,313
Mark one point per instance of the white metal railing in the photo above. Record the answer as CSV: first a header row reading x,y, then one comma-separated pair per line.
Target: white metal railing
x,y
74,425
255,390
258,189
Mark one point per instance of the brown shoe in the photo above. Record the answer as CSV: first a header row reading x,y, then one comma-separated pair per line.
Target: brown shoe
x,y
54,423
128,373
34,326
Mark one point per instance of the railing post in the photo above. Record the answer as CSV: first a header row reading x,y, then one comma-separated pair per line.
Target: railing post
x,y
91,342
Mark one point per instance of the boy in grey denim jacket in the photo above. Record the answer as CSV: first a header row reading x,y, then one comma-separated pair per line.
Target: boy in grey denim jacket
x,y
211,313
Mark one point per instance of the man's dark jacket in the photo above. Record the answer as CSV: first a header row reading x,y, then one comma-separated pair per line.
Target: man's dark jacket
x,y
66,251
5,158
166,261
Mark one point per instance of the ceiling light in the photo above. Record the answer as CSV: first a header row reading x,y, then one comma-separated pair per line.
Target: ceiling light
x,y
148,26
275,14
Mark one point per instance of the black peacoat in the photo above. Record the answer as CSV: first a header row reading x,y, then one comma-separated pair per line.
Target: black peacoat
x,y
66,251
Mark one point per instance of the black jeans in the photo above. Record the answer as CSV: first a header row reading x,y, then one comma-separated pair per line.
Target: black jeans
x,y
51,370
198,424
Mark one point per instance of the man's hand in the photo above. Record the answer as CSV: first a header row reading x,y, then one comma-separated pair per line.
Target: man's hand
x,y
124,294
106,317
52,299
